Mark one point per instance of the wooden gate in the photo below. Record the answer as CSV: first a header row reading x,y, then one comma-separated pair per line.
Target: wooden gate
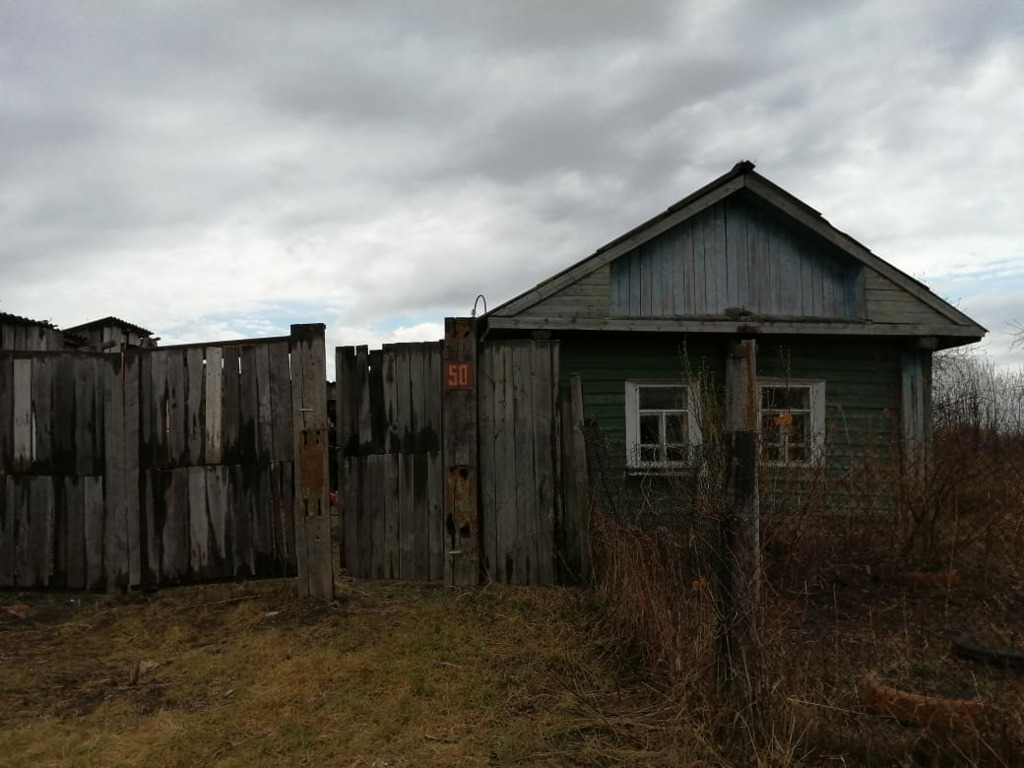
x,y
389,435
395,523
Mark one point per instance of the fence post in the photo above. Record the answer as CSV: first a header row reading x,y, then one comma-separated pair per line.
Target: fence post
x,y
740,555
459,447
312,508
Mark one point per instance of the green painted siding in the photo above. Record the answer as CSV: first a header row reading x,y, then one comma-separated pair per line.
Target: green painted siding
x,y
861,395
607,361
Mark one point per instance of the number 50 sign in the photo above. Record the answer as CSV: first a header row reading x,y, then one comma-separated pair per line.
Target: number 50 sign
x,y
458,375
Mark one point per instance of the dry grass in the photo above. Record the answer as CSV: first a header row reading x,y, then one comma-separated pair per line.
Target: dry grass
x,y
846,598
393,675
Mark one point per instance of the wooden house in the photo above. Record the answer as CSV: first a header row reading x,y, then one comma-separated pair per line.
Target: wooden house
x,y
842,340
109,334
24,335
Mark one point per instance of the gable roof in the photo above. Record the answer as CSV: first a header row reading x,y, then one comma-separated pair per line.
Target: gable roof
x,y
933,315
109,321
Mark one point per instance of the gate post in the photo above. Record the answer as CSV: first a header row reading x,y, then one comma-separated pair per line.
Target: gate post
x,y
459,446
312,509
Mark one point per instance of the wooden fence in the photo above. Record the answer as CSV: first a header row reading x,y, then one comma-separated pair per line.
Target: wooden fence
x,y
157,466
451,460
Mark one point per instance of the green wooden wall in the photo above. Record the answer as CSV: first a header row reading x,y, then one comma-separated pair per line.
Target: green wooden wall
x,y
862,379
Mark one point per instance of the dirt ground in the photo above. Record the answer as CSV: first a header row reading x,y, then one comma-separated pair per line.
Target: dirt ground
x,y
395,674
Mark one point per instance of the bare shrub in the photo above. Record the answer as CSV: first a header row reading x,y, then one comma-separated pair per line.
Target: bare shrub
x,y
861,564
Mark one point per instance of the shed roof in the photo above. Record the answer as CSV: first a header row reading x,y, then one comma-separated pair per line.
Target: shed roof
x,y
931,314
9,319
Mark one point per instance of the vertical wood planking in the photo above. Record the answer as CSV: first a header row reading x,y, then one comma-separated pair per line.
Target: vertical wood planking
x,y
353,471
6,413
154,516
391,501
230,417
115,549
87,432
218,506
374,419
269,557
7,528
635,279
242,519
130,382
62,414
435,519
488,430
643,259
213,382
176,540
403,414
685,304
505,465
73,534
281,402
392,440
347,436
736,256
544,381
716,257
37,527
431,426
374,522
199,557
195,421
161,408
248,406
42,417
177,408
526,486
93,499
265,411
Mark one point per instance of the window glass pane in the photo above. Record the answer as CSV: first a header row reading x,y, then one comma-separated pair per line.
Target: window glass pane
x,y
772,451
795,398
675,428
676,452
799,430
648,453
662,398
770,426
650,428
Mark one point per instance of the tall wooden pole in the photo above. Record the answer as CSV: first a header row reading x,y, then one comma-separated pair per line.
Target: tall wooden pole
x,y
740,554
309,429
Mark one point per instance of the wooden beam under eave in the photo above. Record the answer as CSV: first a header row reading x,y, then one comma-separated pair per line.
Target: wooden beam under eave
x,y
740,326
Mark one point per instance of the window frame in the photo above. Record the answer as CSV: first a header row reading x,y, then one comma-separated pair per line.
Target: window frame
x,y
632,414
815,411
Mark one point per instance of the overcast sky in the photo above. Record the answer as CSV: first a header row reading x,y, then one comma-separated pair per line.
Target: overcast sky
x,y
214,170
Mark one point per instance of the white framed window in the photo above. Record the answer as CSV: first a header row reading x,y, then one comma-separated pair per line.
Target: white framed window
x,y
662,425
791,420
